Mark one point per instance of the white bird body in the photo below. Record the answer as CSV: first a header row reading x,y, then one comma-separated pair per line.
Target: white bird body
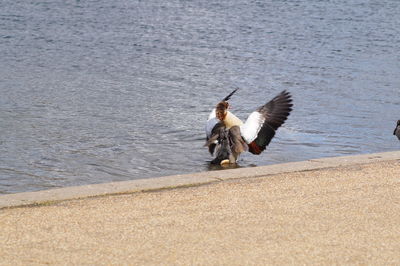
x,y
250,129
232,120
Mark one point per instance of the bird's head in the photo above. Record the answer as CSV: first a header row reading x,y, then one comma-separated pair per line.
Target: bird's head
x,y
221,109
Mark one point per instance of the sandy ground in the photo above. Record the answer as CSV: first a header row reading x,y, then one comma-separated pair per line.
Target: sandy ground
x,y
348,215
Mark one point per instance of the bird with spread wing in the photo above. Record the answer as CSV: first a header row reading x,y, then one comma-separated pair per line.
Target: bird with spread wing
x,y
228,136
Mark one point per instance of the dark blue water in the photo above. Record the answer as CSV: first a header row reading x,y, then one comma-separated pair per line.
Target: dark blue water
x,y
100,91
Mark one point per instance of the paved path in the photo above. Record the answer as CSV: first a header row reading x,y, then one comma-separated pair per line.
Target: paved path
x,y
340,215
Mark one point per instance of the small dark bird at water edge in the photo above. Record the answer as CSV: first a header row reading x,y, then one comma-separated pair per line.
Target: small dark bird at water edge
x,y
396,131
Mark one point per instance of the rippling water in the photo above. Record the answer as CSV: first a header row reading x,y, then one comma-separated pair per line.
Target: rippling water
x,y
100,91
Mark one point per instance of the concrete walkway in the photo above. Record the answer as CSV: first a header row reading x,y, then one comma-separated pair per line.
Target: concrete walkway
x,y
330,211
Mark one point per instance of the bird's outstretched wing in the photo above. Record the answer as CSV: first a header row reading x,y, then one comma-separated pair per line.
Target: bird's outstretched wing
x,y
260,126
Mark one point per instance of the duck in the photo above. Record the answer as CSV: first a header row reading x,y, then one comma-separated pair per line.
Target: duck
x,y
396,131
227,136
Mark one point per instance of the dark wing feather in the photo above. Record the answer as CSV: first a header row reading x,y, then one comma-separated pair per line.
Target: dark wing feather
x,y
229,96
263,139
215,134
238,145
275,112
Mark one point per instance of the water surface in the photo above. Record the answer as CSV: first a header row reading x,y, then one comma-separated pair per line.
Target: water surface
x,y
100,91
